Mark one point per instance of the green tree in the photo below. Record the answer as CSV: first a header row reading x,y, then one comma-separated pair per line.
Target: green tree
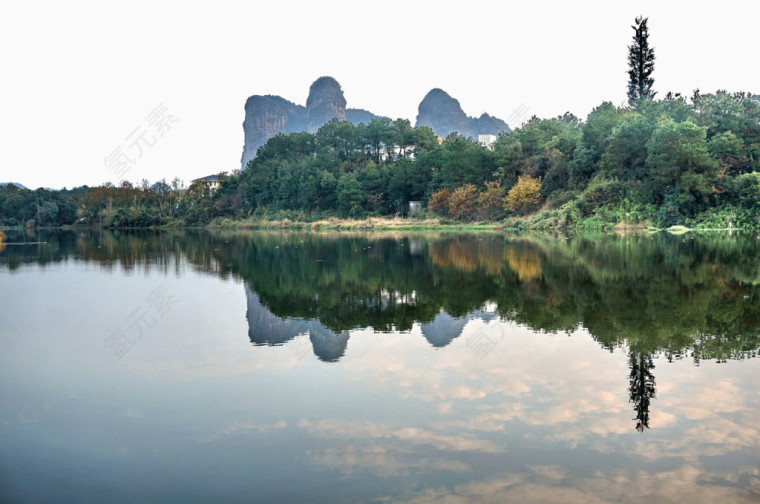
x,y
729,150
376,133
640,64
464,161
595,138
679,162
423,139
626,152
350,196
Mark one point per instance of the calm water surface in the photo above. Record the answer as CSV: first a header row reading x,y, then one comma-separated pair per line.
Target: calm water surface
x,y
275,367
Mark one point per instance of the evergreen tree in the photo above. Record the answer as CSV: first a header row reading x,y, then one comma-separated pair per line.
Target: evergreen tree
x,y
640,64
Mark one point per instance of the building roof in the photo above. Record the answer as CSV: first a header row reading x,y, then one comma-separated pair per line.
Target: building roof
x,y
210,178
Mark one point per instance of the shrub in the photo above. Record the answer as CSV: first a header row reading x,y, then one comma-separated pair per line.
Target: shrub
x,y
524,195
670,213
746,188
491,201
439,202
602,191
462,202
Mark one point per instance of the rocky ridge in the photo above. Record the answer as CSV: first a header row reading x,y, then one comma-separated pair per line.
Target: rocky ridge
x,y
269,115
444,115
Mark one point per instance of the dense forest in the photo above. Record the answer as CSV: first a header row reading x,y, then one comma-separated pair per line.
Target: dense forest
x,y
693,162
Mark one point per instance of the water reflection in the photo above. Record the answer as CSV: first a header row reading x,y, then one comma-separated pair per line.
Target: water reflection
x,y
642,387
675,296
265,328
691,297
448,367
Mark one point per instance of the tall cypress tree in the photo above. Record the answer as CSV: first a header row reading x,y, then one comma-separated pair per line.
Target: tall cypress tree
x,y
640,64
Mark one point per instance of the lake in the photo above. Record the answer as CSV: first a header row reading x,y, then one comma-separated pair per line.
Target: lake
x,y
197,366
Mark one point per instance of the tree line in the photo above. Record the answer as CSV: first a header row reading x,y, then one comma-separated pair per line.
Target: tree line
x,y
672,161
662,162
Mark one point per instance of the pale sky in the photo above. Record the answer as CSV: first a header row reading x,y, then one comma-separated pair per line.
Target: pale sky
x,y
80,78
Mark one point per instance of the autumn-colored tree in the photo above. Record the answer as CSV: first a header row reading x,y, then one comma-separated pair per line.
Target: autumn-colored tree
x,y
524,195
439,202
491,201
463,202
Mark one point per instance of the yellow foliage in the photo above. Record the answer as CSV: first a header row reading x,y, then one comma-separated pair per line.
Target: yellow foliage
x,y
467,257
462,203
491,200
524,195
454,254
526,264
439,202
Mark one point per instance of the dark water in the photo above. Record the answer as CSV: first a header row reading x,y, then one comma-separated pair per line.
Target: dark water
x,y
269,367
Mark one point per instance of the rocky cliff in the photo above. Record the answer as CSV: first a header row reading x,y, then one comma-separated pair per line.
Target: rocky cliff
x,y
358,116
267,116
325,102
443,114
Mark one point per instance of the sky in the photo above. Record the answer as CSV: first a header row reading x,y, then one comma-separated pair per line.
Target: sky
x,y
164,83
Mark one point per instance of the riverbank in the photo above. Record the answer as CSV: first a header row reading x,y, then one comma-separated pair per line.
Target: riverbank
x,y
392,224
369,224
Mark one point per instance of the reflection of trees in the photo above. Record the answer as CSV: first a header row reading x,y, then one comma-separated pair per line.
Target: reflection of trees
x,y
454,254
697,297
642,387
526,263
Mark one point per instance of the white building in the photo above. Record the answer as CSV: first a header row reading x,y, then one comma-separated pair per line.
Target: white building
x,y
487,141
212,182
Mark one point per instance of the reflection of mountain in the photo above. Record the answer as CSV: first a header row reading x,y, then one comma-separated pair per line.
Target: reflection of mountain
x,y
328,346
265,328
444,328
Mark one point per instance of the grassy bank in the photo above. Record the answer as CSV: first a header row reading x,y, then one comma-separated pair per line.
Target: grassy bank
x,y
575,216
543,220
369,224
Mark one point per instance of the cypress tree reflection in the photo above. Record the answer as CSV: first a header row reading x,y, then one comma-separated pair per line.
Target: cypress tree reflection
x,y
642,387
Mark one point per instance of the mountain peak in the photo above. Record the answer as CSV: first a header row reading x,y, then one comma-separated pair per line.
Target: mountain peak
x,y
325,102
444,115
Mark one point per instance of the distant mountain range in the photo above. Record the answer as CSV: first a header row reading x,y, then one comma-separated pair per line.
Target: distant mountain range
x,y
269,115
20,186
